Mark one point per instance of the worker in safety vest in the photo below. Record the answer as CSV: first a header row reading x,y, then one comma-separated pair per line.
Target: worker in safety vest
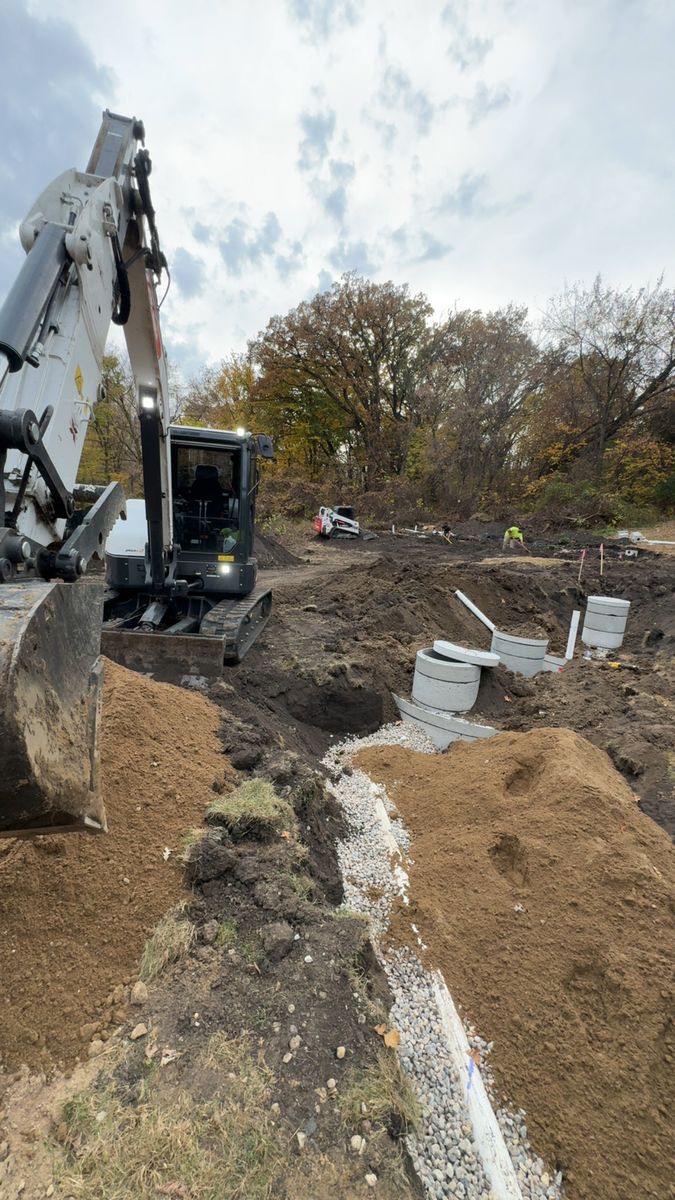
x,y
513,537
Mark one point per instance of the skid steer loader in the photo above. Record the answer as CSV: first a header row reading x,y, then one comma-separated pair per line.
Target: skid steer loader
x,y
181,574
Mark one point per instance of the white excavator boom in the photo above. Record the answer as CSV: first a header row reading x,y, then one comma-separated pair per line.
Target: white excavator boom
x,y
92,257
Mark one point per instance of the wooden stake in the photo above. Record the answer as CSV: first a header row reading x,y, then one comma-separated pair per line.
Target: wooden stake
x,y
581,565
602,557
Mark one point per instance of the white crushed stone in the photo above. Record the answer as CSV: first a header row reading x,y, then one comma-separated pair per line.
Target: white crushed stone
x,y
444,1154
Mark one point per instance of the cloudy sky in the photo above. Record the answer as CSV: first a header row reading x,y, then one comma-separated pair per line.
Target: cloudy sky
x,y
480,150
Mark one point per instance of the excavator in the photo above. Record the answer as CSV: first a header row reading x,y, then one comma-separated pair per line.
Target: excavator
x,y
181,576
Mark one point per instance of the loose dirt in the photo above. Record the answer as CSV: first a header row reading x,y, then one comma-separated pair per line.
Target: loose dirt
x,y
548,900
75,911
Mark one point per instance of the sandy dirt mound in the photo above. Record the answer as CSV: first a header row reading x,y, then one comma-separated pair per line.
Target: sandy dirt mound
x,y
576,989
75,911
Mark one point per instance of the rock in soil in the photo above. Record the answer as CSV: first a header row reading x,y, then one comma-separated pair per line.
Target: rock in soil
x,y
277,940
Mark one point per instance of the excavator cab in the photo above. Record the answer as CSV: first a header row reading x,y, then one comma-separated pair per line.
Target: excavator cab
x,y
206,609
206,486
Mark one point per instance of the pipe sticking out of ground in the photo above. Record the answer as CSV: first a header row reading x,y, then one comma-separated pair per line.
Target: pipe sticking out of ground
x,y
572,636
475,610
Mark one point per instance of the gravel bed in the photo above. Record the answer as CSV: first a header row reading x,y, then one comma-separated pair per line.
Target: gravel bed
x,y
444,1154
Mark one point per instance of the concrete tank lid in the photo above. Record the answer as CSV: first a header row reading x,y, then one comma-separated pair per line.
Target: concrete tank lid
x,y
429,655
478,658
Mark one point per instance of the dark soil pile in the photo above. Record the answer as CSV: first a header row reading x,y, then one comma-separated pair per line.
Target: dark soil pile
x,y
75,911
548,899
270,552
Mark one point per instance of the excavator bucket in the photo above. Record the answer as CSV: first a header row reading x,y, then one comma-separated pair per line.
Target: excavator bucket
x,y
50,702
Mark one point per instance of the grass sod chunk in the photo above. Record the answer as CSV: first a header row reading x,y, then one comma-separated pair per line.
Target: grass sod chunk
x,y
170,943
253,810
142,1151
389,1099
227,933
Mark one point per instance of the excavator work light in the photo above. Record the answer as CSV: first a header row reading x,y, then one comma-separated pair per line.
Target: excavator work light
x,y
147,399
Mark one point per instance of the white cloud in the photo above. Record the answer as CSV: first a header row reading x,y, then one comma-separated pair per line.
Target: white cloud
x,y
482,152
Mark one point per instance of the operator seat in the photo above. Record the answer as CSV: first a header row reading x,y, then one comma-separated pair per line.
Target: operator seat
x,y
206,487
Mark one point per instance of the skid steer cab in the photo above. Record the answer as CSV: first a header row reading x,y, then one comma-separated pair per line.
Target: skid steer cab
x,y
208,609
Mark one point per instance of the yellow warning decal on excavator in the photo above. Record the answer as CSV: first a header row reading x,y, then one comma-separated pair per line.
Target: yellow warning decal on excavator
x,y
79,380
226,558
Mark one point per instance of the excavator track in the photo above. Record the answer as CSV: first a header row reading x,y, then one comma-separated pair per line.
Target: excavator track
x,y
238,623
225,635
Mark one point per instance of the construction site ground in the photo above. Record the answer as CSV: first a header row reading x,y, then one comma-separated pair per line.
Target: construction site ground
x,y
194,1084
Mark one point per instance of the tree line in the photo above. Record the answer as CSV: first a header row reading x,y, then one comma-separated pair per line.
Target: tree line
x,y
371,398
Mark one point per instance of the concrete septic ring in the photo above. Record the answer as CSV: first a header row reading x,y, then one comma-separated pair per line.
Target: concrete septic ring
x,y
441,684
525,656
605,622
442,727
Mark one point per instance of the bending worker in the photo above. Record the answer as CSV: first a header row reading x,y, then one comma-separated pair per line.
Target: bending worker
x,y
513,537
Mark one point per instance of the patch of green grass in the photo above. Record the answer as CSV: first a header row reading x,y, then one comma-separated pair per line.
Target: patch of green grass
x,y
250,949
253,810
386,1092
170,943
302,885
227,933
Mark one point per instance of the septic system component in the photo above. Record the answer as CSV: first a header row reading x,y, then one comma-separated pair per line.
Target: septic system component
x,y
523,655
605,622
445,685
479,658
441,727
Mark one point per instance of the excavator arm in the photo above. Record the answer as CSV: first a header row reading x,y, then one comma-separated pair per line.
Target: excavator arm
x,y
92,258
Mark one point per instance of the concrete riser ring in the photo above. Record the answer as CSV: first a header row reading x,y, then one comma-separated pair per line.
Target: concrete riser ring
x,y
605,622
525,656
444,695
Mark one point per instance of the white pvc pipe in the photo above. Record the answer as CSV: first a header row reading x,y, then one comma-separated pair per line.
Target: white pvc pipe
x,y
572,637
487,1134
475,610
